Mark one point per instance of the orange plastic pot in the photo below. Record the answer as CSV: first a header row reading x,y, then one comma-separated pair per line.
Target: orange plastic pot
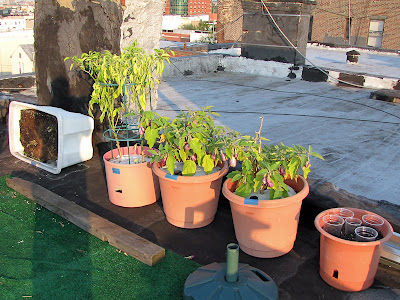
x,y
349,265
190,201
130,185
266,228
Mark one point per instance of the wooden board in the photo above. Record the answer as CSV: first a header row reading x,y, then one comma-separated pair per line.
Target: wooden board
x,y
132,244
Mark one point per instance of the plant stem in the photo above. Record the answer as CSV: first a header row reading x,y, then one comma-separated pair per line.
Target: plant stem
x,y
142,151
258,135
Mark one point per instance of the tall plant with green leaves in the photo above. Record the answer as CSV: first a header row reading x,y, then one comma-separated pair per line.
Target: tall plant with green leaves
x,y
128,77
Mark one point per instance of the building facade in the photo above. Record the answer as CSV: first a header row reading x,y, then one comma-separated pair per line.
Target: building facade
x,y
188,7
12,23
22,60
369,22
360,23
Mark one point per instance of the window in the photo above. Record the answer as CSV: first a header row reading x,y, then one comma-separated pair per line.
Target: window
x,y
20,56
348,28
375,34
310,27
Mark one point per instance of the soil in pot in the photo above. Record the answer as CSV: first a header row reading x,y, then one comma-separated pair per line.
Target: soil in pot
x,y
39,135
130,159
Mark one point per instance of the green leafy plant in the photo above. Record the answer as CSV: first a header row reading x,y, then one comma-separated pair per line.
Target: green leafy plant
x,y
193,139
265,167
190,138
130,75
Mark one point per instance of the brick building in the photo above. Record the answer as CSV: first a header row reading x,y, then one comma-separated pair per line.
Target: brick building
x,y
372,23
188,7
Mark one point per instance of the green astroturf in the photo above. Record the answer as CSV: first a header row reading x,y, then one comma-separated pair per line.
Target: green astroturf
x,y
43,256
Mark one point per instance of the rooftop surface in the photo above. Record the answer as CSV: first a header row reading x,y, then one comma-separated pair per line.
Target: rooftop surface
x,y
359,138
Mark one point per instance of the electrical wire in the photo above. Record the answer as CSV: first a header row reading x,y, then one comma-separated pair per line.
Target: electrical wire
x,y
307,94
288,114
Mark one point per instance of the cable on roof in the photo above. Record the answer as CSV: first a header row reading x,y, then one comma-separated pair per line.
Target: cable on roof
x,y
288,114
301,93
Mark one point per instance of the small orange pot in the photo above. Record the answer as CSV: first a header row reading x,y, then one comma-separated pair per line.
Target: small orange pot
x,y
266,228
349,265
130,185
190,201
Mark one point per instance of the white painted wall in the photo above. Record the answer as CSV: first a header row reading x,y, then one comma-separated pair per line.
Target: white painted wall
x,y
9,41
196,36
172,22
20,62
12,23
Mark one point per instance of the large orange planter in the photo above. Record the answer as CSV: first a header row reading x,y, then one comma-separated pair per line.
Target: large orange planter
x,y
132,185
266,228
349,265
190,201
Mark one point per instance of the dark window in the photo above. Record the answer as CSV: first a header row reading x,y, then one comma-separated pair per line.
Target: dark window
x,y
348,28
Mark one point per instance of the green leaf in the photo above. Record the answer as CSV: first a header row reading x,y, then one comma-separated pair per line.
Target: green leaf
x,y
244,190
207,164
151,135
237,177
306,171
257,184
182,154
247,167
228,152
293,167
317,155
189,168
196,146
152,152
181,143
171,164
233,174
277,194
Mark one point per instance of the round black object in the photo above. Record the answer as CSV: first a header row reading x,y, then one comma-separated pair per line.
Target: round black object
x,y
209,282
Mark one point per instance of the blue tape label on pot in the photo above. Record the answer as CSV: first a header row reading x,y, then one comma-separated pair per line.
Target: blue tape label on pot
x,y
173,177
116,171
250,201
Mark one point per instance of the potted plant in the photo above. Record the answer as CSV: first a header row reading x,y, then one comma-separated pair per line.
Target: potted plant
x,y
350,265
122,83
266,194
189,165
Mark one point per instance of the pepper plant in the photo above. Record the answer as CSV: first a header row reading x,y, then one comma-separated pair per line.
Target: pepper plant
x,y
191,138
265,167
132,73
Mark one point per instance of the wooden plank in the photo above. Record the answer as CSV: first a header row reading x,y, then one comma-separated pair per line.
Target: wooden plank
x,y
117,236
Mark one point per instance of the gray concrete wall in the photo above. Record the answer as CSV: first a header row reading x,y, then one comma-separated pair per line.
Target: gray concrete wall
x,y
66,28
142,21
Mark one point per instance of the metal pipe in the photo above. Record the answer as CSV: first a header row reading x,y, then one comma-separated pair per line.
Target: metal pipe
x,y
232,262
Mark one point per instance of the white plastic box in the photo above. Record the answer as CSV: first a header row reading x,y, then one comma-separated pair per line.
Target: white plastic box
x,y
74,136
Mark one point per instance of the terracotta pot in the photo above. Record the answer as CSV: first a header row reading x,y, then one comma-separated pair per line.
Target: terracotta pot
x,y
190,201
130,185
349,265
266,228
